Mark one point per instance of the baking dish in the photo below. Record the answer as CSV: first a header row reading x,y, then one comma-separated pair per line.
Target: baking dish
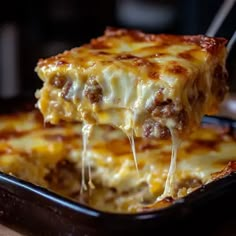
x,y
34,210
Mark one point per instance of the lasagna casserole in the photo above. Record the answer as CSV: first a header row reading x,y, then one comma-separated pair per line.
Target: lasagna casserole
x,y
50,156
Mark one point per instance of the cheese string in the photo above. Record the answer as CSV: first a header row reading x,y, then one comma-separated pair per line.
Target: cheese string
x,y
169,186
132,144
86,131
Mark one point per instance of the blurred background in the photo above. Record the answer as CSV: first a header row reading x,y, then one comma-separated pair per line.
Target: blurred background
x,y
30,30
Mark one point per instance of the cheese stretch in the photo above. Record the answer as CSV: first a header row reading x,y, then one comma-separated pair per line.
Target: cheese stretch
x,y
50,156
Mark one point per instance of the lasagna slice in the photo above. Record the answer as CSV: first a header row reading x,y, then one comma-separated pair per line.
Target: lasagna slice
x,y
147,85
50,156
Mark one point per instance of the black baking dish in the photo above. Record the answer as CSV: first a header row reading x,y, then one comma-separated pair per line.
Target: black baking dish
x,y
33,210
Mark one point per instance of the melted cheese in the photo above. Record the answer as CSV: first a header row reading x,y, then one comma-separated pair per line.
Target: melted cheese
x,y
132,145
169,185
86,131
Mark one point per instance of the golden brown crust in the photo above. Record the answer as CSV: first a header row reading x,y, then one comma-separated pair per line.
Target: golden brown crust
x,y
210,44
230,168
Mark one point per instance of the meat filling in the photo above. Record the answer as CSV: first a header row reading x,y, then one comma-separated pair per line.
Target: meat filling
x,y
93,91
160,112
152,128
